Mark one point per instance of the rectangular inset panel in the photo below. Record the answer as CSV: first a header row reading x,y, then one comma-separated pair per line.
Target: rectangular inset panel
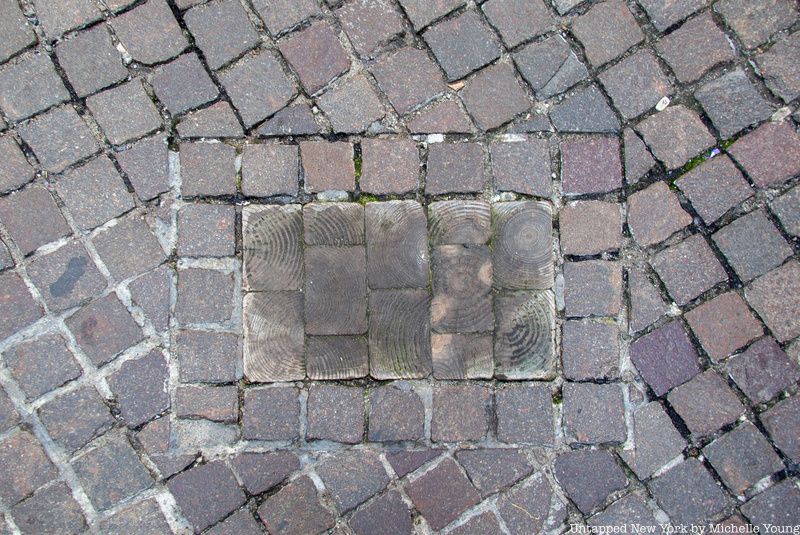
x,y
336,357
523,347
336,290
459,222
274,336
462,356
523,245
273,253
462,285
333,224
399,335
397,245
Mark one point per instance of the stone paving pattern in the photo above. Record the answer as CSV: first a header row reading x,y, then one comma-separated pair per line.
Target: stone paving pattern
x,y
179,175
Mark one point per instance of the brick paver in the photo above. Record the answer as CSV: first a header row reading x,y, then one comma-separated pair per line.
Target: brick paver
x,y
397,266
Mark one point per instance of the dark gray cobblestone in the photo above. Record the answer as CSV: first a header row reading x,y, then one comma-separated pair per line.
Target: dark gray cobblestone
x,y
579,216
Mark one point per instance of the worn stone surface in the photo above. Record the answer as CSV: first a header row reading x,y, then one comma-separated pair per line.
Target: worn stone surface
x,y
15,211
316,55
183,84
462,44
295,510
774,298
129,248
665,358
387,514
395,414
271,414
769,154
30,85
549,66
327,166
752,245
336,413
732,102
409,78
111,473
593,414
65,277
221,30
58,138
656,442
590,350
779,68
695,47
590,227
104,328
723,325
636,84
455,168
258,87
206,493
16,170
689,504
590,165
714,187
352,105
494,96
592,288
442,494
777,506
460,413
584,110
140,387
91,61
742,457
763,370
75,418
589,476
522,167
352,477
524,414
688,269
675,135
779,422
50,510
717,407
754,24
492,470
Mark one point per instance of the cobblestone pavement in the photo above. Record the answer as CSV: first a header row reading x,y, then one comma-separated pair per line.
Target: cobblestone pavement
x,y
399,266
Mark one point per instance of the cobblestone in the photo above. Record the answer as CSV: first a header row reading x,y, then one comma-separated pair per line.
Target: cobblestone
x,y
111,473
676,265
58,138
606,31
695,47
316,55
91,61
417,345
689,504
763,370
75,418
462,44
442,494
183,84
30,85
